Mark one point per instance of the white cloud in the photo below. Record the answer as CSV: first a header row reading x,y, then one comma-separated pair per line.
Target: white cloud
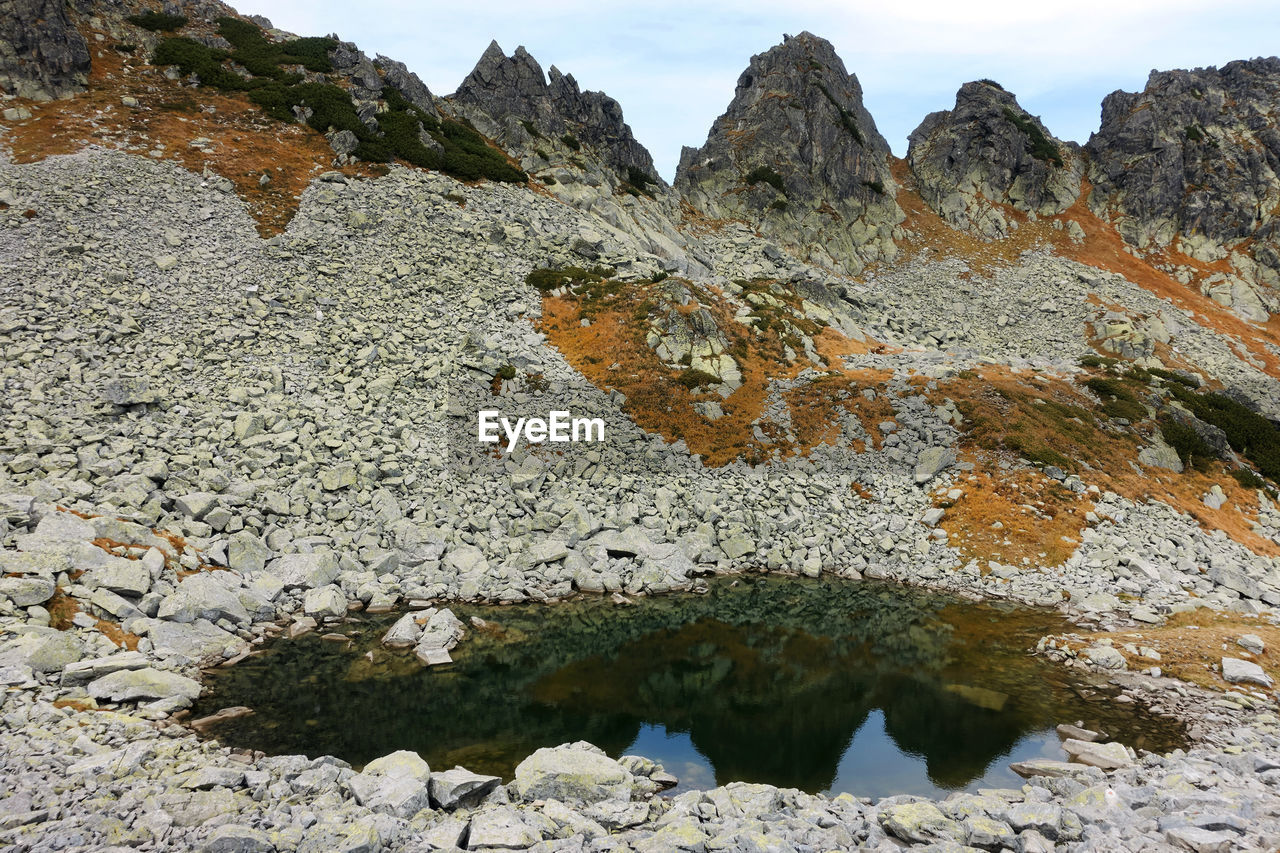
x,y
672,64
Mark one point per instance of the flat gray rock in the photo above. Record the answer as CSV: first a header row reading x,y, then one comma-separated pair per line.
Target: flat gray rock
x,y
132,685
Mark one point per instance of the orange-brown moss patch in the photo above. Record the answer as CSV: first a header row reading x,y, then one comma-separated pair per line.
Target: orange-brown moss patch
x,y
1104,248
62,609
243,144
122,638
1019,517
1190,643
611,352
1053,422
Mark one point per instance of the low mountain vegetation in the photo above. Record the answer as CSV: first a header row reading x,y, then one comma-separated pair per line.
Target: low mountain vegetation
x,y
286,95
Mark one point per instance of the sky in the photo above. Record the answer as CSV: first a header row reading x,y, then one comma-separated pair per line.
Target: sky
x,y
673,64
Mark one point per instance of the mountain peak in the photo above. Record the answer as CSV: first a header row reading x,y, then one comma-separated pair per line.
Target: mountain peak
x,y
988,151
798,156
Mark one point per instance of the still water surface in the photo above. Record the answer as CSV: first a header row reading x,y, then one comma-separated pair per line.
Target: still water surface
x,y
822,685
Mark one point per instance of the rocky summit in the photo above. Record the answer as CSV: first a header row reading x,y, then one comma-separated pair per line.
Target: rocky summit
x,y
988,152
799,158
255,288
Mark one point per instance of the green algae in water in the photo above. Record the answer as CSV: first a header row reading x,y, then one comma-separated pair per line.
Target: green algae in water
x,y
822,685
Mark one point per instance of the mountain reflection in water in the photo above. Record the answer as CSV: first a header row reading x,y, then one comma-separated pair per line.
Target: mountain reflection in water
x,y
822,685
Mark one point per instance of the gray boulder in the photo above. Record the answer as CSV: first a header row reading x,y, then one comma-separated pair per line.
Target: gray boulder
x,y
325,601
1236,671
128,685
572,773
396,784
460,788
305,571
28,591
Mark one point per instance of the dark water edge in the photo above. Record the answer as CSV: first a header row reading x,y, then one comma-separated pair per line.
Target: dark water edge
x,y
823,685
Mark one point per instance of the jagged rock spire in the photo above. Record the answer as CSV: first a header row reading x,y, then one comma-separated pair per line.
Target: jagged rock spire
x,y
798,156
504,86
988,149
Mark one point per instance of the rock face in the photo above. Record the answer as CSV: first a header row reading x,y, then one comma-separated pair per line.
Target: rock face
x,y
511,90
798,157
988,150
1192,161
42,55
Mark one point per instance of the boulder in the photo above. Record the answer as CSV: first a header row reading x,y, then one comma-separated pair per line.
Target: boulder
x,y
919,823
404,633
125,577
305,571
128,685
325,601
1236,671
1105,657
460,788
237,838
247,553
395,784
28,591
572,773
195,641
933,461
88,670
44,650
205,595
1105,756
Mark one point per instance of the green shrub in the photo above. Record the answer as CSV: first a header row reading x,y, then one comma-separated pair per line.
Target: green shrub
x,y
1039,145
1248,432
158,22
463,153
1098,361
638,178
1245,477
1118,401
660,275
192,57
531,129
876,187
263,58
692,379
572,141
126,48
1171,376
548,278
1193,133
992,83
1193,450
469,157
768,176
778,204
507,371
